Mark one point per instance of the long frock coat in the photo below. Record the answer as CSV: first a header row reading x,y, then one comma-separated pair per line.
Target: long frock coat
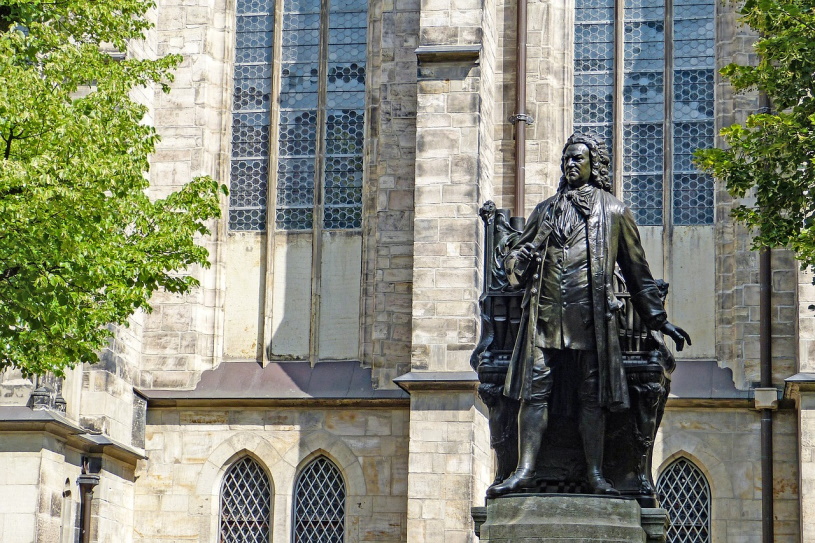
x,y
613,238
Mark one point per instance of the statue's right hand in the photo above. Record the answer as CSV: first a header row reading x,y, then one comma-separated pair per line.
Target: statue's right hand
x,y
525,253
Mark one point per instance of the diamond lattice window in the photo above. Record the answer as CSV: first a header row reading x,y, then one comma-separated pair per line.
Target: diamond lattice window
x,y
246,498
319,504
320,118
664,73
684,492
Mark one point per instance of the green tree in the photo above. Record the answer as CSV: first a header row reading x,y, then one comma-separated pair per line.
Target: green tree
x,y
81,244
771,156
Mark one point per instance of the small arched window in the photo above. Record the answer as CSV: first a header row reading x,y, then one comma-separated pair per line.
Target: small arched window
x,y
246,498
319,504
683,490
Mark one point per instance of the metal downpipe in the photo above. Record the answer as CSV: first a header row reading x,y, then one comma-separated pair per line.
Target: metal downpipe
x,y
520,119
765,275
765,358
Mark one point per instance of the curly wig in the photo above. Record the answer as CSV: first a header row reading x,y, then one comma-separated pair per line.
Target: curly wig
x,y
598,154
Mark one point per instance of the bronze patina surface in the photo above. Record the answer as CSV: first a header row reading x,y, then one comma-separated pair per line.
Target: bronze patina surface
x,y
572,348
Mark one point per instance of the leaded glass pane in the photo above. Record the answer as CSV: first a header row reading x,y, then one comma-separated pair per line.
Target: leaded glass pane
x,y
642,122
345,114
299,88
246,497
684,492
251,104
693,95
342,114
644,109
594,68
319,504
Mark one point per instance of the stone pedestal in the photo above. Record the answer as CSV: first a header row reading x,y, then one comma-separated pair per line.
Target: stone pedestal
x,y
567,519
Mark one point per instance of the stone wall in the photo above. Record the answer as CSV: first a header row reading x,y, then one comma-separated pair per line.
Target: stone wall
x,y
180,336
40,498
549,97
190,450
806,404
26,513
449,465
725,445
389,190
737,283
447,241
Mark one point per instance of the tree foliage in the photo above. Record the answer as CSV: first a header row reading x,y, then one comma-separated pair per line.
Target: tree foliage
x,y
81,244
771,156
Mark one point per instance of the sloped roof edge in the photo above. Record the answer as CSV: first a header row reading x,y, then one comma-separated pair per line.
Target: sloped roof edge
x,y
342,380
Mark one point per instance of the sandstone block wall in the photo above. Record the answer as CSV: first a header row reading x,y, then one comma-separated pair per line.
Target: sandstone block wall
x,y
449,465
549,97
447,254
191,449
40,498
181,336
737,284
389,190
725,445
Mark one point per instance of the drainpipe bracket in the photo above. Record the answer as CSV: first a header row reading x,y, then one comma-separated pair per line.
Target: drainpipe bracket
x,y
766,398
522,117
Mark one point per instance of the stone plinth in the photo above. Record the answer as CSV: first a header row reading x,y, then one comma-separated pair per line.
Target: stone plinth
x,y
562,519
655,522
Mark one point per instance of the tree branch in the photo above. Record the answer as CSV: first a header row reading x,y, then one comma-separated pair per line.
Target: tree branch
x,y
11,136
8,273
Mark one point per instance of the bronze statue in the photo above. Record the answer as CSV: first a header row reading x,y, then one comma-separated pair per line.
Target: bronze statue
x,y
565,260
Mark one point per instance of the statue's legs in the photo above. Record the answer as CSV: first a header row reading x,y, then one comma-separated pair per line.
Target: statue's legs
x,y
592,424
533,417
532,421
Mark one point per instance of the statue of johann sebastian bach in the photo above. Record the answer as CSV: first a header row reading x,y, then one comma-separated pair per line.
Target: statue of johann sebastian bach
x,y
565,260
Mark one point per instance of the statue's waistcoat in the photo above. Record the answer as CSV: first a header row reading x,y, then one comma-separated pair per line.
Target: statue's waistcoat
x,y
565,309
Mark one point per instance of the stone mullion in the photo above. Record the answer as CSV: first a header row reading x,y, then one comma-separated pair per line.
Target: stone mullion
x,y
319,196
618,108
271,198
667,134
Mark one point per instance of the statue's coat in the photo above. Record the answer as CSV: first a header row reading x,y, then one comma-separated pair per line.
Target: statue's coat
x,y
612,238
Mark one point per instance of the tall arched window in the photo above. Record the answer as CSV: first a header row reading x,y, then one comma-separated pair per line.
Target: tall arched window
x,y
644,80
319,504
684,492
246,499
321,61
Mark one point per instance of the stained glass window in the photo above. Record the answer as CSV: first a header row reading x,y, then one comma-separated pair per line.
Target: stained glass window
x,y
693,65
321,114
345,115
246,497
644,108
251,106
319,504
646,95
684,492
594,68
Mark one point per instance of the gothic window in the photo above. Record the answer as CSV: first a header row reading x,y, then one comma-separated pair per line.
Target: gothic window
x,y
306,137
246,497
319,504
251,109
684,492
653,62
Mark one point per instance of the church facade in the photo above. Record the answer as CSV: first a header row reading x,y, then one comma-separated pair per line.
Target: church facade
x,y
317,386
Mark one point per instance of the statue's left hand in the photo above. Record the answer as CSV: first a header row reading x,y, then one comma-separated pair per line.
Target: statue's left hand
x,y
677,334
